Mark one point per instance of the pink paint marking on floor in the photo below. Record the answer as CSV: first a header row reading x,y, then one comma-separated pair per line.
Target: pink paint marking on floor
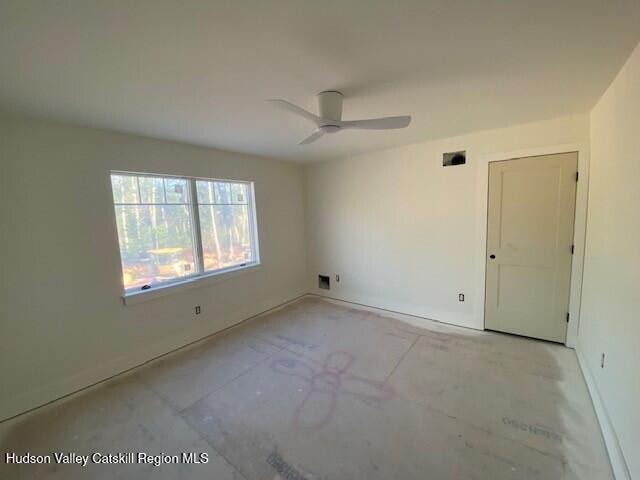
x,y
319,404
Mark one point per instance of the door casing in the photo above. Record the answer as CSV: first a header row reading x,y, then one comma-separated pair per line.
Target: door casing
x,y
576,225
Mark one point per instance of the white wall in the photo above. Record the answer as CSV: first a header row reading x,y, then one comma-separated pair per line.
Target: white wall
x,y
610,321
406,234
63,324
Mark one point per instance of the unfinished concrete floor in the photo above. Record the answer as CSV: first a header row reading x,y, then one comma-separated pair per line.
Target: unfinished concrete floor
x,y
323,391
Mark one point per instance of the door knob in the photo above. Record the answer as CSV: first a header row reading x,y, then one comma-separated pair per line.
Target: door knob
x,y
492,256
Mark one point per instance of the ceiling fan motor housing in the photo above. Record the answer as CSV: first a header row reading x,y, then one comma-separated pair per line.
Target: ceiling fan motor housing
x,y
330,118
330,105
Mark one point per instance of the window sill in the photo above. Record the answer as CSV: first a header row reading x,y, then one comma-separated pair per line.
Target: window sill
x,y
133,298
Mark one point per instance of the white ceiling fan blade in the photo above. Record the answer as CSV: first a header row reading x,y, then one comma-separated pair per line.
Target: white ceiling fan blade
x,y
312,138
386,123
290,107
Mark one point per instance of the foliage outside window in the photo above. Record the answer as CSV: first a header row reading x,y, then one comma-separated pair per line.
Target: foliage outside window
x,y
176,228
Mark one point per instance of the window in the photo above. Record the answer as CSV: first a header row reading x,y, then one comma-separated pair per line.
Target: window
x,y
177,228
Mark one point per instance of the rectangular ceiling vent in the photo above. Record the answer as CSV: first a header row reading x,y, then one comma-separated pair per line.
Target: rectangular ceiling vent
x,y
454,158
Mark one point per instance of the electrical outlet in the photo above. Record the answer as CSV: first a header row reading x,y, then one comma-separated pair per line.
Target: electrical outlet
x,y
461,297
337,278
198,310
602,361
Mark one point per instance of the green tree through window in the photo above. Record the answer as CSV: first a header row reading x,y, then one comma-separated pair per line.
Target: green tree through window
x,y
162,241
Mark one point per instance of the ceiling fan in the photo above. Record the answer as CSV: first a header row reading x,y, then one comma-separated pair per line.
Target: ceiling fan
x,y
330,118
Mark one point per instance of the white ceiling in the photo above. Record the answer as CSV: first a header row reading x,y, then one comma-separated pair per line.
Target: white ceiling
x,y
200,72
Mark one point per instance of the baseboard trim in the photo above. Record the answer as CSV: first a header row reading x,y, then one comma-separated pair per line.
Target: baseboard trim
x,y
616,457
408,318
412,311
86,380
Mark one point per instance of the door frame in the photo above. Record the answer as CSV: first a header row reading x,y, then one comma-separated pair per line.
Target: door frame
x,y
579,228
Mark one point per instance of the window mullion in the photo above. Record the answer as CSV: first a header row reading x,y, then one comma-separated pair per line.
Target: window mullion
x,y
197,232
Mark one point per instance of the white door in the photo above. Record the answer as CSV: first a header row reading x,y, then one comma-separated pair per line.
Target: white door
x,y
529,245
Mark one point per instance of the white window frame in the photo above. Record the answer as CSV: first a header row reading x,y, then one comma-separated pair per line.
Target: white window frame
x,y
200,276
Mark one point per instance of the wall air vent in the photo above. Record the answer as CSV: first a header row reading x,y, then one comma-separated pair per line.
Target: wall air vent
x,y
324,282
454,158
